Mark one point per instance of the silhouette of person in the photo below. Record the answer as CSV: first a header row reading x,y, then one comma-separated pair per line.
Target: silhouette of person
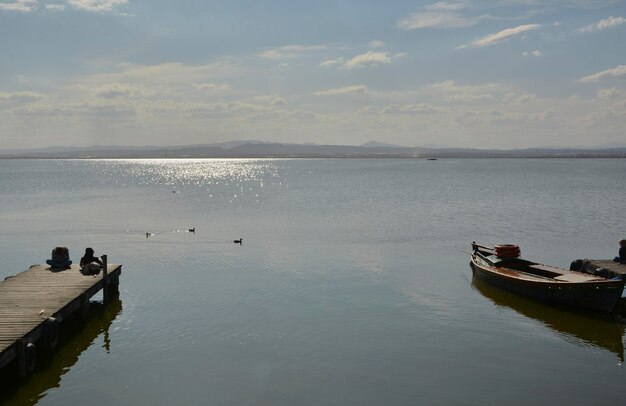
x,y
89,263
60,258
622,252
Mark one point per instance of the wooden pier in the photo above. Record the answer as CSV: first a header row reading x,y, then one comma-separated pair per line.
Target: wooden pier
x,y
614,267
35,302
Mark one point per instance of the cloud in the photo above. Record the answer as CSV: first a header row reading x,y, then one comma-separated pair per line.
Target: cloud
x,y
55,7
608,93
117,90
234,107
534,53
96,6
604,24
419,108
376,44
439,15
331,62
272,100
22,6
618,71
501,36
369,58
300,115
164,74
444,5
343,90
400,109
290,51
20,97
452,92
104,111
430,19
224,87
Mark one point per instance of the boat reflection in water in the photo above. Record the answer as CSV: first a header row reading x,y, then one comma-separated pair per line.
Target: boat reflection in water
x,y
598,332
75,339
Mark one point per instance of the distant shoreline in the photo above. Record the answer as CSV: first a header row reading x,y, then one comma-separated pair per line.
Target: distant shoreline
x,y
293,151
8,158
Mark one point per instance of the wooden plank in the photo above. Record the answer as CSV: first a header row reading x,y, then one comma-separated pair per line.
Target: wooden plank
x,y
576,277
29,298
610,265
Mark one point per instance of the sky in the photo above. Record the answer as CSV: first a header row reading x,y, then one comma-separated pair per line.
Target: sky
x,y
472,74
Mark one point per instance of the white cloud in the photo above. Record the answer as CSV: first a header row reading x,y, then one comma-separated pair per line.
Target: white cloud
x,y
377,44
233,108
102,111
343,90
608,93
618,71
419,108
501,36
439,15
22,6
369,58
452,92
117,90
20,97
444,5
331,62
434,19
534,53
55,7
224,87
604,24
96,6
302,116
272,100
290,51
368,110
173,73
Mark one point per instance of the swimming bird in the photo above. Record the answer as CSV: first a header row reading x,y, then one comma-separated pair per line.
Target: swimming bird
x,y
239,241
192,230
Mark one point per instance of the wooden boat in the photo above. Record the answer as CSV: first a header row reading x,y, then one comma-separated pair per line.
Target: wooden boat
x,y
502,267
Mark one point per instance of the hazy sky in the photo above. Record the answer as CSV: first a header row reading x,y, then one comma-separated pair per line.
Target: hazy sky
x,y
476,73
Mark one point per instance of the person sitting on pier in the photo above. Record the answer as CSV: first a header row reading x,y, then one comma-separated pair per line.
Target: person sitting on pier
x,y
622,252
60,258
90,264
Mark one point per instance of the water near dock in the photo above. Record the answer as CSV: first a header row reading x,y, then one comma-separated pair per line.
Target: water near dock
x,y
351,286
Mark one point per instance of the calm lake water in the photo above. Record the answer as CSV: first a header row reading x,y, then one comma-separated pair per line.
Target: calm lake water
x,y
352,286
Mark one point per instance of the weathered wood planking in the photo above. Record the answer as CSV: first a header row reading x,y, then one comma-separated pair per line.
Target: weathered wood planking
x,y
29,298
609,264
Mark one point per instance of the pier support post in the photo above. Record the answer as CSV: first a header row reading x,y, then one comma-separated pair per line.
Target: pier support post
x,y
26,357
105,280
84,307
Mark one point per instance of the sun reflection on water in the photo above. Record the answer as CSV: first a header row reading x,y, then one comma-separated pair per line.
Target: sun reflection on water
x,y
202,172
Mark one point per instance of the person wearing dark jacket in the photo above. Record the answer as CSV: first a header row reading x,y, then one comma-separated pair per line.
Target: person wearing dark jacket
x,y
60,258
89,263
622,252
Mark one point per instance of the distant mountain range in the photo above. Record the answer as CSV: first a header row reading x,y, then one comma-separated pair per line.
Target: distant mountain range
x,y
261,149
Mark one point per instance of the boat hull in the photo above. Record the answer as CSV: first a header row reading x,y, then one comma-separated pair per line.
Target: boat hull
x,y
600,296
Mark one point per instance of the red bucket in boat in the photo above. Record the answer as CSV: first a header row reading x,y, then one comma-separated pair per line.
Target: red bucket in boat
x,y
507,251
